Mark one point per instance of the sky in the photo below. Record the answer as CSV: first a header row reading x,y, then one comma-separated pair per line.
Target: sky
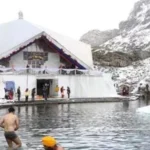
x,y
72,18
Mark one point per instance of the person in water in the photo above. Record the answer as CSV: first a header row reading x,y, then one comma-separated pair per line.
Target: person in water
x,y
50,143
10,123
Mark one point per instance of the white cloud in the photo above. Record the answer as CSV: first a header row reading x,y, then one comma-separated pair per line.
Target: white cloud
x,y
69,17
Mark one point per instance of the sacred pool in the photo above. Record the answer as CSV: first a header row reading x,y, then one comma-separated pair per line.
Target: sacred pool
x,y
97,126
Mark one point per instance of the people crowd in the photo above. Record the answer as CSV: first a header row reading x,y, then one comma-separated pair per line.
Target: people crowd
x,y
10,121
10,94
62,90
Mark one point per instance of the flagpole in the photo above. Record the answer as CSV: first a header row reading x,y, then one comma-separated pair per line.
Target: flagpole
x,y
27,77
27,68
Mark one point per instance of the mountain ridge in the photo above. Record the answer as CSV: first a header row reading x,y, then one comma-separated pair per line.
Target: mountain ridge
x,y
130,43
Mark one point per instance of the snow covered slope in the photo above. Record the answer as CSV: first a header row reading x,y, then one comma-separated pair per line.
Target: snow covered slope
x,y
134,32
133,75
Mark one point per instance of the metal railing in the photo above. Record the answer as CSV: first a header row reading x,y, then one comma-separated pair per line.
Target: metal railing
x,y
48,71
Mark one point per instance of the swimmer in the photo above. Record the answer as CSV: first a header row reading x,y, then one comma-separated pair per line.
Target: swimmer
x,y
50,143
10,123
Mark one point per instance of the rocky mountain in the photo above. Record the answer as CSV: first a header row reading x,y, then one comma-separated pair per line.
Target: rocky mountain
x,y
134,32
96,37
131,43
131,48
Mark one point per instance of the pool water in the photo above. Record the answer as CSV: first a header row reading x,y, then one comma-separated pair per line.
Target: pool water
x,y
97,126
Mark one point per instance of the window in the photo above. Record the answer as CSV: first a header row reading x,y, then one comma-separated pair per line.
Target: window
x,y
35,63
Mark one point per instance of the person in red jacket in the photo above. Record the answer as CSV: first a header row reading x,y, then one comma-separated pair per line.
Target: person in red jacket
x,y
62,92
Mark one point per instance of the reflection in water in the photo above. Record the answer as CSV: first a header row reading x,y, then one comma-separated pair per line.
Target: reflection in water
x,y
65,113
33,110
113,126
125,105
26,111
19,109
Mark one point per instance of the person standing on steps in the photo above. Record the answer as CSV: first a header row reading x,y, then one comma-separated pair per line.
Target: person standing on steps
x,y
10,123
62,92
11,94
45,91
33,94
18,93
68,91
56,90
26,95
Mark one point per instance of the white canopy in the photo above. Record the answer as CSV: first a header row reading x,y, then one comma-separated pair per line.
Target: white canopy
x,y
15,34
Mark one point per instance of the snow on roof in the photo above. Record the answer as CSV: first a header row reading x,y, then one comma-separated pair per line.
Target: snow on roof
x,y
14,33
17,32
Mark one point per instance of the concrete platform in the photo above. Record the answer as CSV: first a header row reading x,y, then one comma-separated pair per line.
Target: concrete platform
x,y
65,101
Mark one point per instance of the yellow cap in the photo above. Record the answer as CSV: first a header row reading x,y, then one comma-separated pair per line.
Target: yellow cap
x,y
48,141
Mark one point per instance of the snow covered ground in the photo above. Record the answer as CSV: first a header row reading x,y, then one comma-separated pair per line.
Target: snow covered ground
x,y
145,109
134,75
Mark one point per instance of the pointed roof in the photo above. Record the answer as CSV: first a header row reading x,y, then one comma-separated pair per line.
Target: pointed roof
x,y
19,33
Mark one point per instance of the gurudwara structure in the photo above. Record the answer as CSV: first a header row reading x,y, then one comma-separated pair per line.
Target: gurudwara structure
x,y
31,56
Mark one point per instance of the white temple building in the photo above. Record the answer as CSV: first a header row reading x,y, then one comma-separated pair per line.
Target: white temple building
x,y
31,56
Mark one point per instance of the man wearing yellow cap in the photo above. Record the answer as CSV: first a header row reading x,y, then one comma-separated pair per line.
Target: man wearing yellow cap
x,y
50,143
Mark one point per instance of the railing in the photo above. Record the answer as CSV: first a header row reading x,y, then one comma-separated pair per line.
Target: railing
x,y
48,71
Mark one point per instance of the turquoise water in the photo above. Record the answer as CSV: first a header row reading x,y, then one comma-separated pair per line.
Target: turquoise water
x,y
97,126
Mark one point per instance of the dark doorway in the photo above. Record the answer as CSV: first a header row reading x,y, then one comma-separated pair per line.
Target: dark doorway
x,y
40,84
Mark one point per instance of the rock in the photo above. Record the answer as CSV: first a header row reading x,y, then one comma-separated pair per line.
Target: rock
x,y
96,37
116,59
